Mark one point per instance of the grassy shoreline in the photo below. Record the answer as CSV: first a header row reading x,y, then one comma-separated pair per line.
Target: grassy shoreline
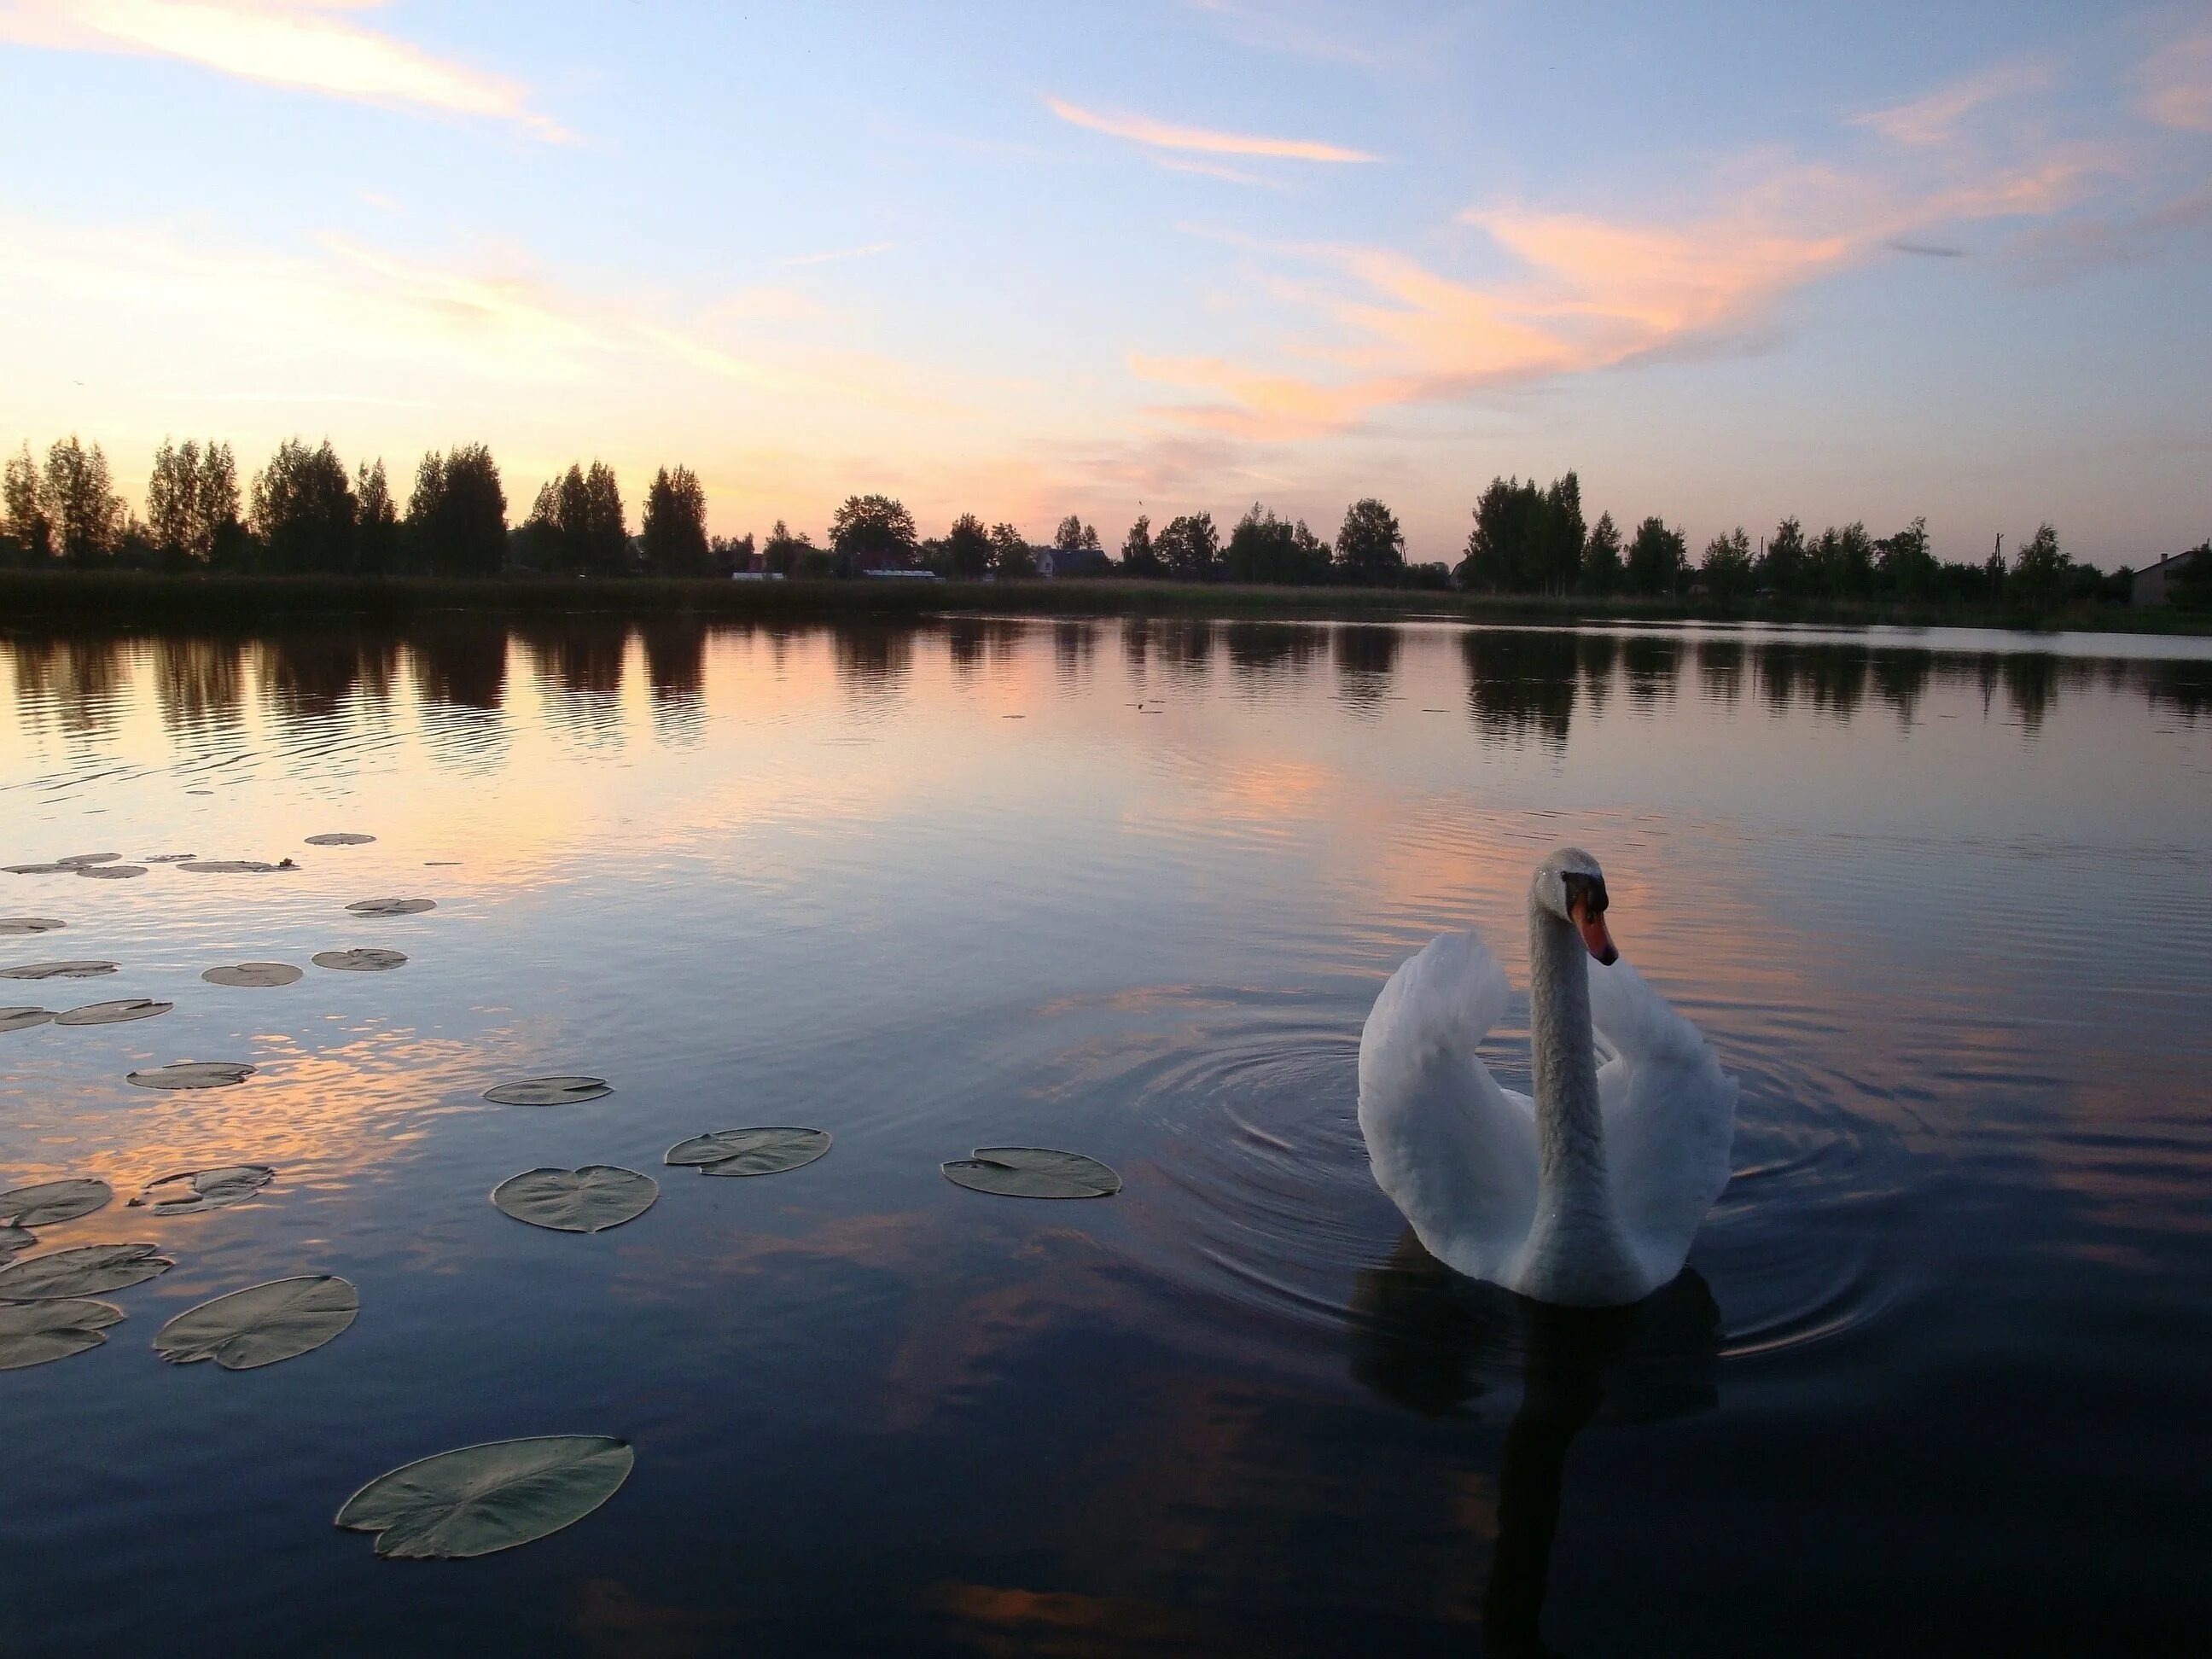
x,y
140,598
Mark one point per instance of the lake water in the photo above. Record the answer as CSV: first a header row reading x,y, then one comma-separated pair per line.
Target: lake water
x,y
1935,1380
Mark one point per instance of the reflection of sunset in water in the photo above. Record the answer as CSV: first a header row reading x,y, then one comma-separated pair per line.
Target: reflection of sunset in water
x,y
1127,887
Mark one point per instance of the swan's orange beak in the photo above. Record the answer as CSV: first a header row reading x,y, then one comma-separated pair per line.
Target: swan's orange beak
x,y
1595,936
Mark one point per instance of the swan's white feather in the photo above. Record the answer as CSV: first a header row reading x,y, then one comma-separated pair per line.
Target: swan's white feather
x,y
1457,1153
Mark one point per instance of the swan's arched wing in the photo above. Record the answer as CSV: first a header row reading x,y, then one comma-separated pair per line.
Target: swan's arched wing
x,y
1670,1118
1455,1151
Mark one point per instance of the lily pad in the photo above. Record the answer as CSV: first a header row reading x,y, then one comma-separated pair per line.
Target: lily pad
x,y
18,1020
205,1190
37,869
38,1332
112,872
58,971
392,907
192,1074
340,838
85,1270
750,1151
55,1201
249,1329
480,1499
364,959
1033,1172
11,925
253,974
586,1200
112,1013
232,866
168,858
548,1092
14,1239
77,861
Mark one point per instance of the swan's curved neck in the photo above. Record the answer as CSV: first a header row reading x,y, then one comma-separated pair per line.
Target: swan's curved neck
x,y
1569,1123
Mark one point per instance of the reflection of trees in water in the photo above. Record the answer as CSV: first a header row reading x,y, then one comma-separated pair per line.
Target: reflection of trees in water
x,y
312,677
872,660
1185,646
2186,688
460,667
1653,663
1428,1339
1720,667
2031,681
1521,683
971,643
77,685
1900,680
1263,653
1366,658
583,659
1073,645
676,675
197,683
1596,655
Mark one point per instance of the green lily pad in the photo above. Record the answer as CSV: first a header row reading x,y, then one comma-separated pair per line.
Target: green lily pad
x,y
586,1200
392,906
548,1092
14,924
260,1325
58,971
85,1270
38,1332
363,959
112,872
192,1074
254,976
1033,1172
750,1151
340,838
78,860
113,1013
205,1190
19,1019
480,1499
55,1201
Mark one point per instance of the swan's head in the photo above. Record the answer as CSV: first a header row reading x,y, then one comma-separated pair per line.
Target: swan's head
x,y
1570,886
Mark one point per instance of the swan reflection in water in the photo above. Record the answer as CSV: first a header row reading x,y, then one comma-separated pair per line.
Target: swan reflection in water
x,y
1431,1339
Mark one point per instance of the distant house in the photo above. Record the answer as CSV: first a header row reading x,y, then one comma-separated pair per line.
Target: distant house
x,y
877,562
2153,584
1071,561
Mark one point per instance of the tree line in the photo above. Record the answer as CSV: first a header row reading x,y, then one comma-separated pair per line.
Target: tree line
x,y
303,513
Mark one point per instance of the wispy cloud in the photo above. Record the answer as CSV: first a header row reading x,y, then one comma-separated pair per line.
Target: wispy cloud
x,y
867,252
313,45
1279,27
1591,294
1162,135
2178,84
1934,117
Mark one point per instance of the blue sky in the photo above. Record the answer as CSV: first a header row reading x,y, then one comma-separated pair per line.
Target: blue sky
x,y
1155,257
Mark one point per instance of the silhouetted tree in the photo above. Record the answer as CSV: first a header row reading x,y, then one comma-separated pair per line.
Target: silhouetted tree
x,y
1525,540
1556,533
217,535
1840,562
28,525
303,510
1602,571
782,552
675,528
1138,556
728,554
457,517
1190,548
967,547
872,527
1010,552
1658,559
375,521
1370,548
2038,577
1904,565
1074,536
173,488
1783,566
1727,566
87,515
1263,547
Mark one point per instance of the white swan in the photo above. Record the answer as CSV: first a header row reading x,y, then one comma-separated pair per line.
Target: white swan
x,y
1591,1194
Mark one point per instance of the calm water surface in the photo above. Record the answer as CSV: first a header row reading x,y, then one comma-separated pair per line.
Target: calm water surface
x,y
1934,1381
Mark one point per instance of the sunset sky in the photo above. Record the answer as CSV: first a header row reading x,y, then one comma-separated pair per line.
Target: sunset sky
x,y
1149,256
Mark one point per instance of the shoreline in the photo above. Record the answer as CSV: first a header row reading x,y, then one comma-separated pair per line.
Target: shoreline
x,y
146,598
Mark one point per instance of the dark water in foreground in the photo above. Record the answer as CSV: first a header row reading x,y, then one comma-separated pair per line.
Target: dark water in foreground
x,y
1935,1383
